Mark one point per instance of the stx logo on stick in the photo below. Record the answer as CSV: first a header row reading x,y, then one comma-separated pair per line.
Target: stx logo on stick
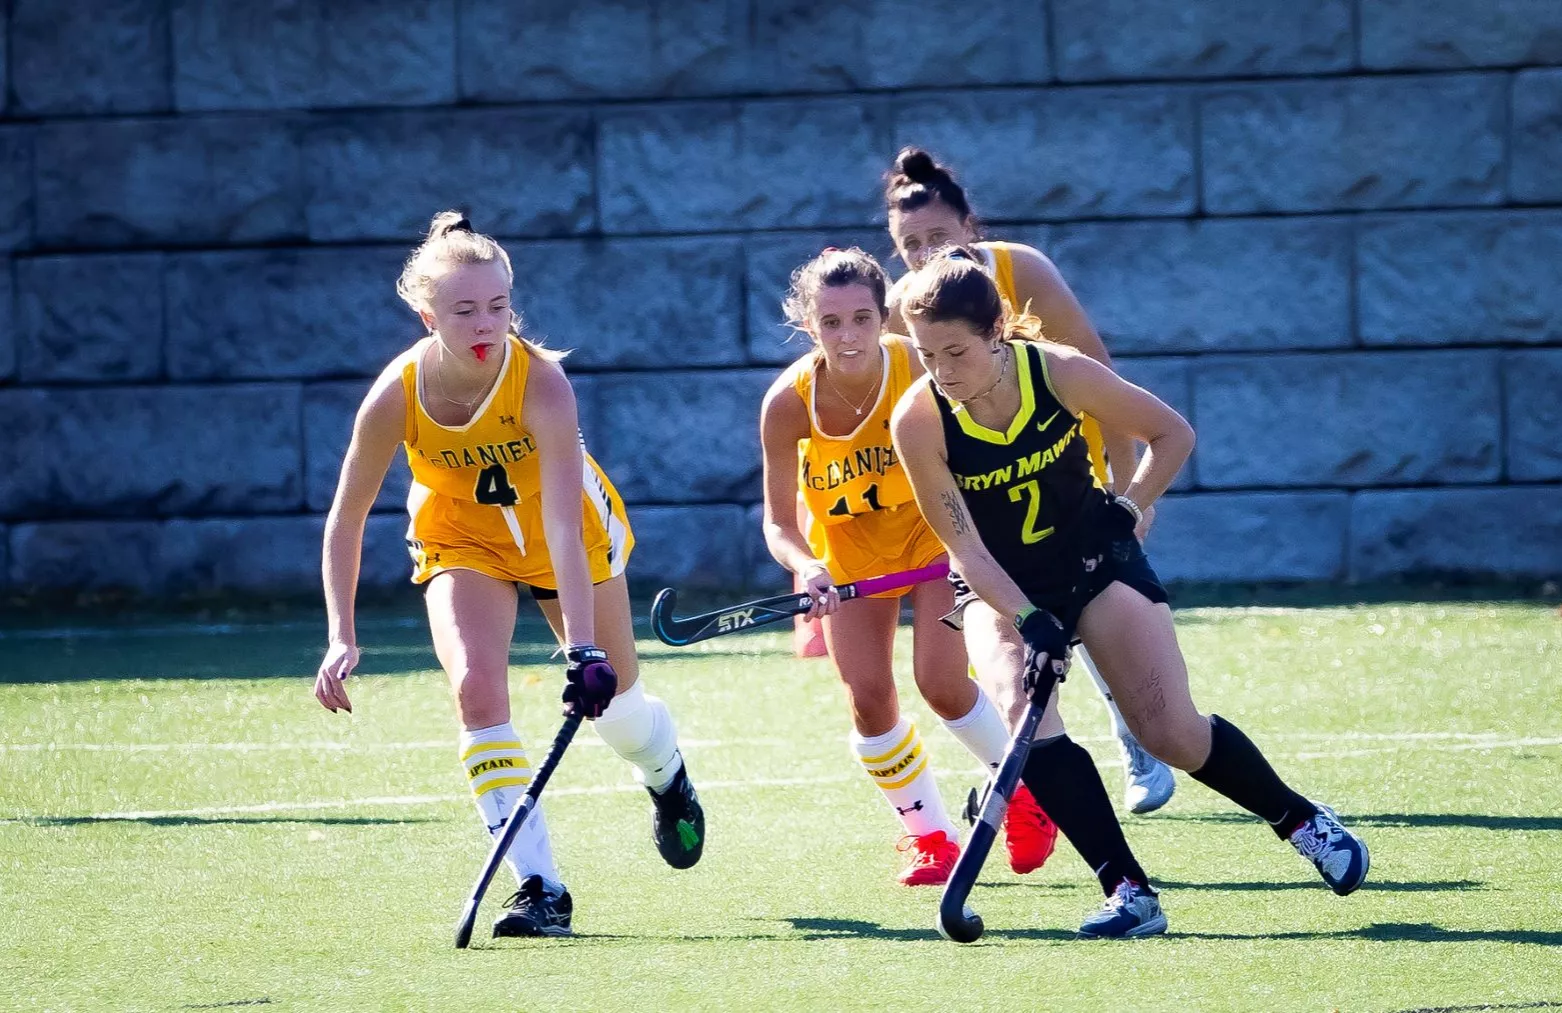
x,y
735,620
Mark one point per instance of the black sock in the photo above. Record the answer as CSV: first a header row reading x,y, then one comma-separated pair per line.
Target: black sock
x,y
1067,785
1237,770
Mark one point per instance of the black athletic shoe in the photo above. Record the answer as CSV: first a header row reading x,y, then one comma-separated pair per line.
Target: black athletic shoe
x,y
678,824
533,911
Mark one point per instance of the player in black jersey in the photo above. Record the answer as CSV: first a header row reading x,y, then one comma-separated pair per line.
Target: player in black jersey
x,y
990,440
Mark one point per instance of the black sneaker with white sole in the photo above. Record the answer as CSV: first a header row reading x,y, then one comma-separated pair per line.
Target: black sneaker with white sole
x,y
1339,855
678,823
534,910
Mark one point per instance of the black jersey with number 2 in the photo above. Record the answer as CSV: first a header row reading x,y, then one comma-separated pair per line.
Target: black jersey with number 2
x,y
1025,488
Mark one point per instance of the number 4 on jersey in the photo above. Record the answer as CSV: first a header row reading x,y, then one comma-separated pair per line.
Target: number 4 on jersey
x,y
494,488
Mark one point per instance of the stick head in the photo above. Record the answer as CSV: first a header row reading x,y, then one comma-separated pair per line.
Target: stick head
x,y
661,613
464,927
964,926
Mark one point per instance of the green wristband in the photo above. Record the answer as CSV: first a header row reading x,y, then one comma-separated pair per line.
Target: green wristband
x,y
1022,615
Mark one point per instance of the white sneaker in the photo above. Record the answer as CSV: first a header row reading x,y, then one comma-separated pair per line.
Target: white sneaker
x,y
1340,856
1149,783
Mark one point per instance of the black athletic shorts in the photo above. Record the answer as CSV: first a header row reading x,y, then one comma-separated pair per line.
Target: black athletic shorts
x,y
1091,554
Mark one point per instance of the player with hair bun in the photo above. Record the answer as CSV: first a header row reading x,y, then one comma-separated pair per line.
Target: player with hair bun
x,y
928,211
1040,551
824,427
503,496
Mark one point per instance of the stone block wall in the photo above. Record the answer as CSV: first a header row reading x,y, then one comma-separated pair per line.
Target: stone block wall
x,y
1328,231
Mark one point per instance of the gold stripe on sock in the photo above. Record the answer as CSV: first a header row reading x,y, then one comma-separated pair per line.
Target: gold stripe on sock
x,y
911,733
915,773
503,782
899,766
478,747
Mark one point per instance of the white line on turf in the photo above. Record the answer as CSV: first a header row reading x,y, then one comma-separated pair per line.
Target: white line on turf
x,y
757,782
1475,738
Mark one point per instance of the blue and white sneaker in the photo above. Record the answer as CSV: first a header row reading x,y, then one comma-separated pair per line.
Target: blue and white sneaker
x,y
1132,910
1341,856
1150,783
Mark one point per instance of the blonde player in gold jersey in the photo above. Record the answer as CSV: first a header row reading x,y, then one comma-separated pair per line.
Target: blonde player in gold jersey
x,y
928,211
825,431
503,496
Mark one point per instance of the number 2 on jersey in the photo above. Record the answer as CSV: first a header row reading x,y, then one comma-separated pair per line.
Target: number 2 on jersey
x,y
1032,493
494,488
870,496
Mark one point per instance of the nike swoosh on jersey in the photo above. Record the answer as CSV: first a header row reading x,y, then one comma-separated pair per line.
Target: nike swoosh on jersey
x,y
1044,425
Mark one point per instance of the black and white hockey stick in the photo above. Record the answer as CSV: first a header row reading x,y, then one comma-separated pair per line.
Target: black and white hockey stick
x,y
956,921
764,611
512,826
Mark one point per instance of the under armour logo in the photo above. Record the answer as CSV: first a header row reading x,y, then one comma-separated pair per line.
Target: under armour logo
x,y
494,828
1091,564
507,420
910,808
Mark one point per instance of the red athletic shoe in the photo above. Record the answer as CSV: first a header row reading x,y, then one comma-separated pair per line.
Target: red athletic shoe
x,y
932,859
1029,833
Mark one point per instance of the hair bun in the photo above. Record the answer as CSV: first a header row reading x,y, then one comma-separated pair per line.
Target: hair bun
x,y
918,166
447,222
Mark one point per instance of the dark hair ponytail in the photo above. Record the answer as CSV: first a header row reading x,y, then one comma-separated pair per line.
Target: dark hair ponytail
x,y
916,180
954,286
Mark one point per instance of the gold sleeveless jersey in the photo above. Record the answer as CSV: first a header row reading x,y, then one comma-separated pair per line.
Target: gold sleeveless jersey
x,y
476,495
865,520
1001,261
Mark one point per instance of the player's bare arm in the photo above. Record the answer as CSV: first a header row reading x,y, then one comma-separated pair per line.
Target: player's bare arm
x,y
552,417
919,445
1085,385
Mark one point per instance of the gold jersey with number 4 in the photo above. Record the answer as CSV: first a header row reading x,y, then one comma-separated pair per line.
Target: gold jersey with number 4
x,y
865,521
476,495
1000,261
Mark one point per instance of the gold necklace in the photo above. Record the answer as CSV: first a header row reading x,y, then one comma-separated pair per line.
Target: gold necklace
x,y
440,384
872,394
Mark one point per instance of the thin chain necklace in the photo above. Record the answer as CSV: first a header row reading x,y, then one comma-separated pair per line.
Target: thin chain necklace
x,y
1003,369
439,383
858,408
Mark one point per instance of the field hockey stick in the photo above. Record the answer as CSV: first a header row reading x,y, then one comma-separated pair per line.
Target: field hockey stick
x,y
956,921
750,615
512,826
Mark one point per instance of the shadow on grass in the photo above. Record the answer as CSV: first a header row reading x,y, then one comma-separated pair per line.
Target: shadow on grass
x,y
1397,932
215,821
1422,886
1473,821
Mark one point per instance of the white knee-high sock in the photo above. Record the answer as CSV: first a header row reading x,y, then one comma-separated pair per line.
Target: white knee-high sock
x,y
1119,729
638,727
898,763
981,731
499,773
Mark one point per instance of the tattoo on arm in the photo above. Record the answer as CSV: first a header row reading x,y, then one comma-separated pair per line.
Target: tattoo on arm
x,y
957,514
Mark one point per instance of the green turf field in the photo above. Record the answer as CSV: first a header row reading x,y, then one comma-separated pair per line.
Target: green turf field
x,y
183,827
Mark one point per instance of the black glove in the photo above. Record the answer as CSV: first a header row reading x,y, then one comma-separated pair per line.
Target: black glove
x,y
1046,652
589,682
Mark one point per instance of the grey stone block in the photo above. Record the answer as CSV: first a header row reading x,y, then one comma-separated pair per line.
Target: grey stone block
x,y
1171,380
1105,39
1362,143
89,56
185,181
1537,135
1246,536
286,313
5,534
520,50
138,451
5,74
691,548
386,562
1422,34
1493,532
519,173
1533,388
1460,278
10,324
329,410
1086,152
765,575
91,318
1348,420
673,302
276,555
897,44
1211,285
236,55
16,187
93,555
769,261
718,165
682,436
